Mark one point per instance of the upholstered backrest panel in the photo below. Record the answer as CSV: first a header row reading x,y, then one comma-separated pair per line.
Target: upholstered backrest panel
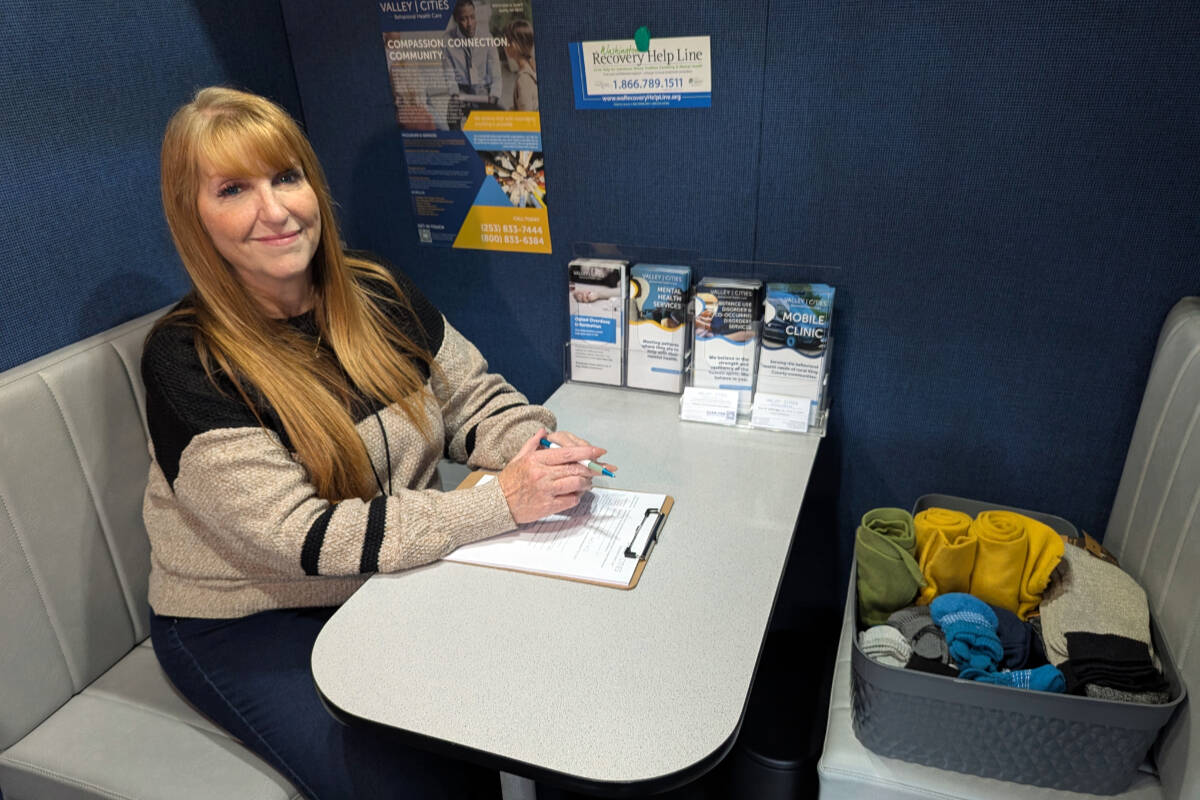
x,y
1154,528
73,552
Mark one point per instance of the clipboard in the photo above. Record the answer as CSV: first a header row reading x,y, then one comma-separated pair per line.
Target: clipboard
x,y
628,546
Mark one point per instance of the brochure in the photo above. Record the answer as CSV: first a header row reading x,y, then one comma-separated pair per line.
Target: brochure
x,y
658,306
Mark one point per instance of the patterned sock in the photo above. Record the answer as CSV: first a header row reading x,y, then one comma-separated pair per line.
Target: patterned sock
x,y
1045,678
1092,596
926,638
1105,693
970,629
885,644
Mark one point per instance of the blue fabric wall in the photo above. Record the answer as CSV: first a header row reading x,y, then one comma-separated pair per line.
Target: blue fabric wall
x,y
1013,202
87,89
1005,199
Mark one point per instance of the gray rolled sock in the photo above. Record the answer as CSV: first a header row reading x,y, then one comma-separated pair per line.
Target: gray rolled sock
x,y
885,644
924,636
1105,693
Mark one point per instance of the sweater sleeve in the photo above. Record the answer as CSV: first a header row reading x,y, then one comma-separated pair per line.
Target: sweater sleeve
x,y
486,419
233,502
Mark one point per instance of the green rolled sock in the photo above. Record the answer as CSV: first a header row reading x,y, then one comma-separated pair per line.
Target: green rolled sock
x,y
888,574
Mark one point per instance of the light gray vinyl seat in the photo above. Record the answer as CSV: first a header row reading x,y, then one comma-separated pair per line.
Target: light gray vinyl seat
x,y
85,711
1154,530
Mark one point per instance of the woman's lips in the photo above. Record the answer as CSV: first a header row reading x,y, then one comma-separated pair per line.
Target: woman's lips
x,y
279,240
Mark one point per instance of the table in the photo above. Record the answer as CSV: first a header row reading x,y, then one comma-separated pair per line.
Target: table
x,y
592,688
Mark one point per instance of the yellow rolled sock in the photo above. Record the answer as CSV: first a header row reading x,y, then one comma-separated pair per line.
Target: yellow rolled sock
x,y
1045,551
1015,558
947,551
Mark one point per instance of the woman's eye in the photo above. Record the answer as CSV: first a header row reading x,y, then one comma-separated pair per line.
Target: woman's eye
x,y
289,176
229,190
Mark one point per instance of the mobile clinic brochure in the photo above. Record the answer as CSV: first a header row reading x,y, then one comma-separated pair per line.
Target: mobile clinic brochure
x,y
464,80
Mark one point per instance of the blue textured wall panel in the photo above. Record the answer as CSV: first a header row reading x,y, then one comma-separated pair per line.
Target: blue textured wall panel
x,y
87,91
654,177
1012,199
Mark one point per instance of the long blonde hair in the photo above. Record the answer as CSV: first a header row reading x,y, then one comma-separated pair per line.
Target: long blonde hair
x,y
243,134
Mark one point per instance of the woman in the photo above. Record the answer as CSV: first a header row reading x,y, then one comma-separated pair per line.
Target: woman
x,y
299,400
519,48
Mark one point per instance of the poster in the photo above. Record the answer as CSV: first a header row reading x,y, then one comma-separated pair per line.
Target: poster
x,y
464,81
673,72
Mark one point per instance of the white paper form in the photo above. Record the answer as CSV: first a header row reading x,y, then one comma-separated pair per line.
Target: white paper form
x,y
587,542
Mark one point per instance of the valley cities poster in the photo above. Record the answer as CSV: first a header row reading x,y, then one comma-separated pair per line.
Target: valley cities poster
x,y
463,75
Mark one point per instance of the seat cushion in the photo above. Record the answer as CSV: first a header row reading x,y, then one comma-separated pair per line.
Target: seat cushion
x,y
849,771
129,735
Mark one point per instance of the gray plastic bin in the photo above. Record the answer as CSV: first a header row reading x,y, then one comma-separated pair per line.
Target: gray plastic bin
x,y
1058,741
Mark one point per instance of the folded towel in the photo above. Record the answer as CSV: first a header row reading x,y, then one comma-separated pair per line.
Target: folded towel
x,y
946,551
888,575
1015,557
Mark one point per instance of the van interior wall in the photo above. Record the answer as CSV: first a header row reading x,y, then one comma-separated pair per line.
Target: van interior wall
x,y
1005,200
88,88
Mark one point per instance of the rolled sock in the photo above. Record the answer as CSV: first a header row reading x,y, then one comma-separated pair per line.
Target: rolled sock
x,y
1093,596
1015,557
1115,662
1105,693
885,644
888,575
945,551
970,629
933,665
1017,639
1045,678
926,638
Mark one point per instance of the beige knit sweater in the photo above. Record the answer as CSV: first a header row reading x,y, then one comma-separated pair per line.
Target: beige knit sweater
x,y
235,526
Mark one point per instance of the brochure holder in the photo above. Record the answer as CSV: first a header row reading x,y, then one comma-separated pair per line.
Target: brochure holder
x,y
719,390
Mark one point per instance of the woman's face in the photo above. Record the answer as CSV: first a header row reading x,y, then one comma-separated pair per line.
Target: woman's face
x,y
267,226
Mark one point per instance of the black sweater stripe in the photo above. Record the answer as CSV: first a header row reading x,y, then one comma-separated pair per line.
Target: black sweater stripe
x,y
310,553
373,540
470,442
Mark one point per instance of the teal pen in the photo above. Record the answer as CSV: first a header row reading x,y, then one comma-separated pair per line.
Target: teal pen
x,y
592,465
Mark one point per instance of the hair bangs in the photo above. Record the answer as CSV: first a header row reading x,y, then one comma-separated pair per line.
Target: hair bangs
x,y
239,147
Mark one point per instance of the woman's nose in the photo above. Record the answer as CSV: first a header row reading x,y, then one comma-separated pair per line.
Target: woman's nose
x,y
270,208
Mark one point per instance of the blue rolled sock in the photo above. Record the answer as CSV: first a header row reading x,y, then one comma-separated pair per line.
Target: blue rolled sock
x,y
970,628
1046,678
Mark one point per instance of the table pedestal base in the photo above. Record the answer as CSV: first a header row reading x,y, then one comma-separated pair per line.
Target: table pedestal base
x,y
514,787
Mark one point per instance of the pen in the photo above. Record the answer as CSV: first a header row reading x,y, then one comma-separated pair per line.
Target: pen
x,y
592,465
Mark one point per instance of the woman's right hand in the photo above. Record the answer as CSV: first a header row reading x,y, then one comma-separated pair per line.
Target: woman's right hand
x,y
541,481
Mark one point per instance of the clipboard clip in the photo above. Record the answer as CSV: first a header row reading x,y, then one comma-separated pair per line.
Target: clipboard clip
x,y
657,514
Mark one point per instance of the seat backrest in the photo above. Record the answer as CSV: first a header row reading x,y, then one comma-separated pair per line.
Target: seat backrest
x,y
1154,528
74,557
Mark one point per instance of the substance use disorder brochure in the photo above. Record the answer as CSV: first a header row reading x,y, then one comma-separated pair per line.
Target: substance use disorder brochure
x,y
605,539
465,84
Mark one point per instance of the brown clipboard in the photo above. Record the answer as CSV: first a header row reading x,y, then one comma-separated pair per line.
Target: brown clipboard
x,y
660,518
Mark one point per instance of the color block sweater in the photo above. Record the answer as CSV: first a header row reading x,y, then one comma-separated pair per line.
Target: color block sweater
x,y
236,527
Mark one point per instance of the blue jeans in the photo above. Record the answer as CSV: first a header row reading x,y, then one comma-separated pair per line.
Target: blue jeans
x,y
252,677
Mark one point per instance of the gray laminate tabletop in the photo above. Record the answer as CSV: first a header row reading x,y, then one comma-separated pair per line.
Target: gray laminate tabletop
x,y
612,689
